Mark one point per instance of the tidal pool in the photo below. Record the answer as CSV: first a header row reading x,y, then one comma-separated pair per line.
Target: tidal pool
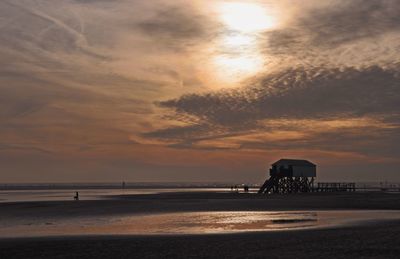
x,y
192,223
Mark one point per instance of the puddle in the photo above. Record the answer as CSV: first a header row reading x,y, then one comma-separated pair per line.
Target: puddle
x,y
193,223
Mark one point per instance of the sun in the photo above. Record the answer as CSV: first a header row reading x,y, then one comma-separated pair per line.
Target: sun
x,y
245,17
237,51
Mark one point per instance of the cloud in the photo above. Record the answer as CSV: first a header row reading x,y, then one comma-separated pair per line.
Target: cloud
x,y
298,93
173,23
338,33
359,109
346,21
100,77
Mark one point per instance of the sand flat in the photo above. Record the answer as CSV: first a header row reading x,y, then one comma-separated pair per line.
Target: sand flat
x,y
201,201
376,239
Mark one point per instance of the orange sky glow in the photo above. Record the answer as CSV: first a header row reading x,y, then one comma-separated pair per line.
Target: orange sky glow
x,y
102,91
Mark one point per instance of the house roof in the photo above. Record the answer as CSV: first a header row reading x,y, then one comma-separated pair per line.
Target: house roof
x,y
299,162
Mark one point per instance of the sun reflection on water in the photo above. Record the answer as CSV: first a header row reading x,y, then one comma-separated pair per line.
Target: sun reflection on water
x,y
191,222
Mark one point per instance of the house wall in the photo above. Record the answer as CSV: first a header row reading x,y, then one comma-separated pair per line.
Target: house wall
x,y
304,171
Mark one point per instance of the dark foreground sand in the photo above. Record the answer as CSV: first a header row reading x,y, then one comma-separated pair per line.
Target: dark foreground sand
x,y
374,240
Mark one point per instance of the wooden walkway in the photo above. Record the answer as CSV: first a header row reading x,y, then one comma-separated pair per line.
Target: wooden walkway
x,y
335,187
352,187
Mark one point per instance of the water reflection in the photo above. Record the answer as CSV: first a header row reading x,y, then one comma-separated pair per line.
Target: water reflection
x,y
191,223
215,222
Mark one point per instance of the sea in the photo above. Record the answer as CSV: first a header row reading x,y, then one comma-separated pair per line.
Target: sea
x,y
16,192
100,191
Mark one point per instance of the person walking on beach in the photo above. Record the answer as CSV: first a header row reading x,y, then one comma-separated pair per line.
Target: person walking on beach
x,y
76,197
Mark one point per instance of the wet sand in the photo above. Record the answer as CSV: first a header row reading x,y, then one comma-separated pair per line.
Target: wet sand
x,y
372,240
378,240
202,201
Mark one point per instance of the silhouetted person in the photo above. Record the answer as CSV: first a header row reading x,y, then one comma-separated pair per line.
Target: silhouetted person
x,y
76,197
246,188
123,185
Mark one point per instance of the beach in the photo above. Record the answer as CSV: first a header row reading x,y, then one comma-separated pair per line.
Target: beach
x,y
373,241
369,239
199,201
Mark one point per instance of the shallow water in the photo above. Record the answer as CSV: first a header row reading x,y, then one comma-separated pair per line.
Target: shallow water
x,y
191,223
89,194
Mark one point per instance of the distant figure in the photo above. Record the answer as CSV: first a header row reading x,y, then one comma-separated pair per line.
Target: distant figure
x,y
76,197
246,188
231,188
123,185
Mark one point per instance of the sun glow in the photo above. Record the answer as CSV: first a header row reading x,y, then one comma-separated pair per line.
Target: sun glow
x,y
246,17
238,66
238,54
236,41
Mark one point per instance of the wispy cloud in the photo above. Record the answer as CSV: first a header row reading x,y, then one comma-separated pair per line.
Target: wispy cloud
x,y
132,83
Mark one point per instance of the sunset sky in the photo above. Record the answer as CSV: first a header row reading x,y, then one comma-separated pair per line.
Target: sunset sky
x,y
196,90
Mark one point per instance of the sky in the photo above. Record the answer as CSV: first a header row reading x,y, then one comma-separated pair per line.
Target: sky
x,y
208,91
